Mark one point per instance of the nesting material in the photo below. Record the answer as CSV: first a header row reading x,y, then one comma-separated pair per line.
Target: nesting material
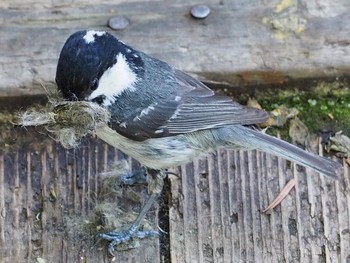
x,y
67,121
105,215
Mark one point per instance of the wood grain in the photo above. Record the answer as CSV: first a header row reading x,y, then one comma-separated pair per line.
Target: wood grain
x,y
226,224
51,201
240,43
47,195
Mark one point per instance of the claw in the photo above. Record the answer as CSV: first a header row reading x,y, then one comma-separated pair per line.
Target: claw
x,y
116,238
155,186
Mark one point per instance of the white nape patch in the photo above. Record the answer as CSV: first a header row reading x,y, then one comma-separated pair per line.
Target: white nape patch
x,y
177,98
90,35
116,79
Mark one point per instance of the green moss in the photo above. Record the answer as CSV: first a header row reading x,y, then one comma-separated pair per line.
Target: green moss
x,y
322,104
323,108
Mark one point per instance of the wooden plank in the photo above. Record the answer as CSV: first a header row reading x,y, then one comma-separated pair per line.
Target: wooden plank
x,y
50,200
228,225
239,43
48,196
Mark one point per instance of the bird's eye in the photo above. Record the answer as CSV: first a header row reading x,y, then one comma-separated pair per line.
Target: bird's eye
x,y
93,84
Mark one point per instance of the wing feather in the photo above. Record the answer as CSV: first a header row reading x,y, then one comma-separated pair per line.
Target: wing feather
x,y
193,107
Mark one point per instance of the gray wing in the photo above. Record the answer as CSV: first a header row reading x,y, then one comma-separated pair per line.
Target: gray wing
x,y
193,107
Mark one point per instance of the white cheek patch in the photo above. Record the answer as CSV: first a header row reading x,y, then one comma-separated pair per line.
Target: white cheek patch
x,y
90,35
114,81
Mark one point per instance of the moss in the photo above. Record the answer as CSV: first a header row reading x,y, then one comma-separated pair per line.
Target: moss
x,y
317,112
324,106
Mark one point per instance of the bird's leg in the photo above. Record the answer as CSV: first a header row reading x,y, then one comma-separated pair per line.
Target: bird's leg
x,y
155,185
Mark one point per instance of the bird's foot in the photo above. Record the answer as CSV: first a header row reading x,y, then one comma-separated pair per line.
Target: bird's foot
x,y
116,238
155,180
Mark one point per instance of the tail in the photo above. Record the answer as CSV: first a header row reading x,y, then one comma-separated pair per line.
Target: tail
x,y
251,139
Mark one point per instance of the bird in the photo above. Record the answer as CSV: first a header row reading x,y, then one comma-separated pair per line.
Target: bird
x,y
160,115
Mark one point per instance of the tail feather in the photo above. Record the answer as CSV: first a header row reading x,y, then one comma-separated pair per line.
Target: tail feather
x,y
260,141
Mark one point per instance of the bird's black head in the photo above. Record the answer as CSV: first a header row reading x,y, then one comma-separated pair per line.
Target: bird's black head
x,y
94,65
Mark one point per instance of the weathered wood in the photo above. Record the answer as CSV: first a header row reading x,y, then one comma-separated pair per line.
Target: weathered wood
x,y
51,199
239,43
217,212
48,201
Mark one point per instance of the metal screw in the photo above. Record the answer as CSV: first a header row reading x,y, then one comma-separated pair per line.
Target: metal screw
x,y
200,11
118,23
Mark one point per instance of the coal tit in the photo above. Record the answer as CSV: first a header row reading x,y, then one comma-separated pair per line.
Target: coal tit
x,y
161,116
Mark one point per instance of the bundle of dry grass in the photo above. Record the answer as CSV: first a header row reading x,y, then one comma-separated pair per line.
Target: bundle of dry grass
x,y
67,121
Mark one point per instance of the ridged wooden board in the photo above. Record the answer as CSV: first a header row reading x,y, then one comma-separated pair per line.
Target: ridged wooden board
x,y
216,213
215,208
40,190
